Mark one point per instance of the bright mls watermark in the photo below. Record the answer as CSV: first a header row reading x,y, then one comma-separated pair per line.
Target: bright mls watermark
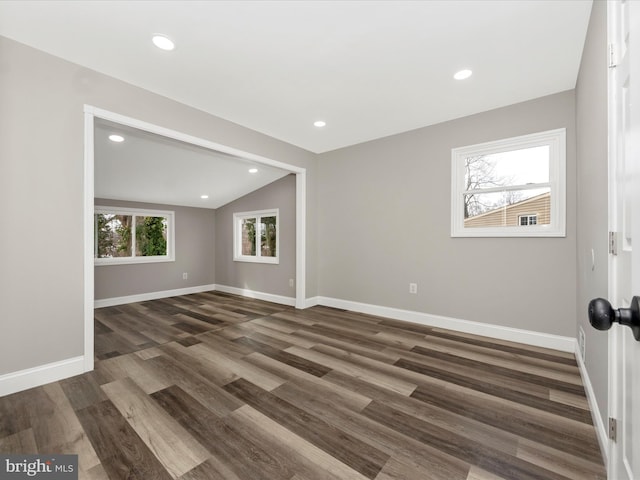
x,y
51,467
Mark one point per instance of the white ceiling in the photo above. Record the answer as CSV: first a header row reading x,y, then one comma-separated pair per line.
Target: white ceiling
x,y
151,168
368,68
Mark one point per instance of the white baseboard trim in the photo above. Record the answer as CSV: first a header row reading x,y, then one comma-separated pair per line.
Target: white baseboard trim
x,y
40,375
598,422
143,297
267,297
311,302
528,337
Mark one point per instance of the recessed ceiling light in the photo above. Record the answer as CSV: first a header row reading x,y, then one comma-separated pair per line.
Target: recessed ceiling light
x,y
253,170
462,74
116,138
163,42
319,123
204,197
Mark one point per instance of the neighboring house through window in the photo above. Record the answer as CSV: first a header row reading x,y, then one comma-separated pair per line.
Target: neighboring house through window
x,y
131,235
509,188
256,236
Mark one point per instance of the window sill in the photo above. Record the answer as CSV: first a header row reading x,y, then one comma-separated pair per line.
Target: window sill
x,y
267,260
506,232
98,262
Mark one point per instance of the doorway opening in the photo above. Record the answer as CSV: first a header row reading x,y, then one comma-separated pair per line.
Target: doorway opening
x,y
90,115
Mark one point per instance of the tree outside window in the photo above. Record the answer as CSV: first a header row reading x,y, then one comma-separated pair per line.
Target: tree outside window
x,y
125,235
495,184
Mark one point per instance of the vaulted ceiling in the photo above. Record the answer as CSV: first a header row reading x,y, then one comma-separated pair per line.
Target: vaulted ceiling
x,y
367,68
146,167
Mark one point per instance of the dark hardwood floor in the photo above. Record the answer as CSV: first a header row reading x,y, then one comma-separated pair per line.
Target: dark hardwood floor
x,y
215,386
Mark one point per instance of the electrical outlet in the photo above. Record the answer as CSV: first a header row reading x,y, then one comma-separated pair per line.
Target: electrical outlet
x,y
291,282
185,275
413,288
581,344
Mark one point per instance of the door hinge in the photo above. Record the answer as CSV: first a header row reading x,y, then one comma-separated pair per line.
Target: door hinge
x,y
613,243
612,56
613,429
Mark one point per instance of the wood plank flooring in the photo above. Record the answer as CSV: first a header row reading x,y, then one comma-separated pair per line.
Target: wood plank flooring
x,y
215,386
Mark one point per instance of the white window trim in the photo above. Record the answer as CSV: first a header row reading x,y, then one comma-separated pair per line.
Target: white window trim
x,y
237,236
169,215
556,140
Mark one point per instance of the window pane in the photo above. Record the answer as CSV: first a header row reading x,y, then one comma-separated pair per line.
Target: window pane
x,y
509,208
249,236
151,236
114,235
268,236
517,167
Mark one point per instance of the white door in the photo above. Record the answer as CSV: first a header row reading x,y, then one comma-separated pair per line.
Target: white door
x,y
624,218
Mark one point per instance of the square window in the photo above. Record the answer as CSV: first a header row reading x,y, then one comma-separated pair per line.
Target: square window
x,y
256,236
497,185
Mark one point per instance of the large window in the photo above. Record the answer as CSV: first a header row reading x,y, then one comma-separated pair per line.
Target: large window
x,y
128,235
256,236
510,188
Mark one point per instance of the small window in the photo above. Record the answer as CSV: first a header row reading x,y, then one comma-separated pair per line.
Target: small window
x,y
128,235
496,186
256,236
524,220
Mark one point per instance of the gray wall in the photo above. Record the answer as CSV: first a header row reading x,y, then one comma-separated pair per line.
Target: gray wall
x,y
378,213
41,174
194,254
384,221
591,122
260,277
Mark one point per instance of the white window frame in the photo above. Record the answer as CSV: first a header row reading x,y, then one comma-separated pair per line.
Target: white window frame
x,y
556,140
237,236
137,212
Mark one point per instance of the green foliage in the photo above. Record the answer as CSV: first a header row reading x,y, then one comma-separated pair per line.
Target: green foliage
x,y
104,235
114,235
150,236
250,228
268,239
123,231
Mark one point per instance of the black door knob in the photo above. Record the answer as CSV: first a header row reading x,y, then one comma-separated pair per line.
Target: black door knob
x,y
602,315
